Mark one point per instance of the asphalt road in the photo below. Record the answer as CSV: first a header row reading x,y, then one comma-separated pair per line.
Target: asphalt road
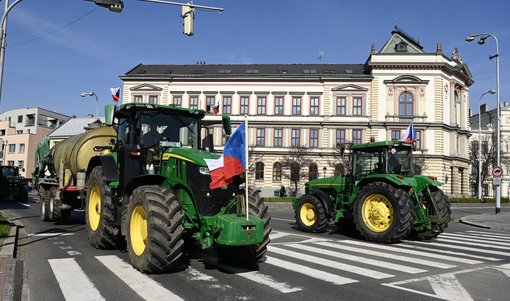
x,y
465,263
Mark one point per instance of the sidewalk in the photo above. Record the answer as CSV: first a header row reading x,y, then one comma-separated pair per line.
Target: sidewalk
x,y
8,267
498,222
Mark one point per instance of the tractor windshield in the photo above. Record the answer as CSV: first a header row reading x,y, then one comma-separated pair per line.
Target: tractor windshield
x,y
383,161
172,130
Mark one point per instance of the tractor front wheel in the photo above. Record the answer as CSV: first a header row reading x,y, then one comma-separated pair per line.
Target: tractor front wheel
x,y
383,213
154,229
310,214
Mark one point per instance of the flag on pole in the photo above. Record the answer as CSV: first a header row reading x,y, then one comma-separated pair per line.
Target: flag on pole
x,y
115,93
409,134
215,108
232,162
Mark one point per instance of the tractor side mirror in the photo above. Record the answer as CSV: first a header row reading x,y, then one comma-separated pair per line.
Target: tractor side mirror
x,y
109,111
227,126
208,143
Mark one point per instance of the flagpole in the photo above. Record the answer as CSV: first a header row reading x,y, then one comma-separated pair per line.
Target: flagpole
x,y
246,194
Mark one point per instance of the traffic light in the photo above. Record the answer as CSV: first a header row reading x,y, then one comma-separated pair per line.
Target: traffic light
x,y
115,6
188,17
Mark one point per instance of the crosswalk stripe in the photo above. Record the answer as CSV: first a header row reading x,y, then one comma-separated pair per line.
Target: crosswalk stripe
x,y
140,283
491,234
310,272
464,238
461,242
263,279
463,248
505,269
433,252
73,282
368,261
448,287
275,235
392,256
331,263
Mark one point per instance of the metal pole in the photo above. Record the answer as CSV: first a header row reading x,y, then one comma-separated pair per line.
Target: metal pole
x,y
498,187
480,150
97,105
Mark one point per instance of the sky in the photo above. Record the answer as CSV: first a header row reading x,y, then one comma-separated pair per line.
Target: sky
x,y
57,49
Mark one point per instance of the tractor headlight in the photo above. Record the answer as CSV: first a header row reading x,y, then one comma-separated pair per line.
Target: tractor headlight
x,y
204,170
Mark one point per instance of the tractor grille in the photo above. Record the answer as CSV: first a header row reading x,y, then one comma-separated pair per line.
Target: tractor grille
x,y
209,202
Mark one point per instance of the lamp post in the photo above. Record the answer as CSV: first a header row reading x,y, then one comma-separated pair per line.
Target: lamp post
x,y
84,94
481,40
480,144
324,170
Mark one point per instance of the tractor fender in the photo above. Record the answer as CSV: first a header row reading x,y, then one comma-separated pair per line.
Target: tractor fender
x,y
325,200
110,172
143,180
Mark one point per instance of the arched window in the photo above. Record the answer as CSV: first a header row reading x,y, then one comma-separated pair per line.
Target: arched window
x,y
406,104
313,172
277,172
259,171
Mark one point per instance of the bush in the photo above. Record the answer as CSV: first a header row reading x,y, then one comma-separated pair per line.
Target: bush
x,y
5,226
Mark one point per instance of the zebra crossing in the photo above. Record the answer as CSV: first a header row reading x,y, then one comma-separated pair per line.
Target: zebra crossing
x,y
401,266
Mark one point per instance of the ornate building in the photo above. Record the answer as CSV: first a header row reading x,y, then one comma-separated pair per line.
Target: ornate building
x,y
322,106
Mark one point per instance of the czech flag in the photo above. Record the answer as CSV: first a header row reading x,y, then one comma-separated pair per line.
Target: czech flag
x,y
215,108
232,162
409,134
115,93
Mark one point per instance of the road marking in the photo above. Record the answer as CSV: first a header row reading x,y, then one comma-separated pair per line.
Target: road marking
x,y
378,263
460,242
463,248
50,234
330,263
464,238
408,246
392,256
310,272
505,269
73,253
23,204
263,279
490,234
283,219
140,283
477,237
73,282
275,235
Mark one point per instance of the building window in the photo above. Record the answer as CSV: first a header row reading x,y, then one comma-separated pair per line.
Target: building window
x,y
20,118
245,105
278,105
193,102
210,101
153,99
19,132
314,137
278,137
418,143
357,106
314,106
137,98
22,148
30,120
21,165
356,136
259,171
177,100
277,172
261,105
340,136
10,163
296,137
405,104
12,148
227,104
395,135
313,172
261,137
296,105
341,105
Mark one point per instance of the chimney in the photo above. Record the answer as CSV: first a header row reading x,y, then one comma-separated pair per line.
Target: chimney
x,y
483,108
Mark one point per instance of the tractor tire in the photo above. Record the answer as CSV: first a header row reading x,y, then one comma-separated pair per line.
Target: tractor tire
x,y
99,212
54,205
383,213
155,232
310,214
253,253
44,198
443,208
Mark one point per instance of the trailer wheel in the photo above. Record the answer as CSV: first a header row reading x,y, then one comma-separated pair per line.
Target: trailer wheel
x,y
54,205
44,198
155,231
383,213
253,253
310,214
99,212
444,212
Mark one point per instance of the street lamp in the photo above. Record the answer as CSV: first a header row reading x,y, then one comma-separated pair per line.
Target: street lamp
x,y
482,37
324,170
480,144
84,94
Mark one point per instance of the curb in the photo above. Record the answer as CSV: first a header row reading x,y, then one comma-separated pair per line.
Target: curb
x,y
8,264
473,224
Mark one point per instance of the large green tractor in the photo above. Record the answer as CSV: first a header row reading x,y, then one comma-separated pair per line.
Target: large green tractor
x,y
382,197
12,184
151,187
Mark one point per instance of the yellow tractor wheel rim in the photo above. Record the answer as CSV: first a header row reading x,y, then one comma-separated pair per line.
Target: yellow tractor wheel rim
x,y
307,214
377,213
94,208
138,230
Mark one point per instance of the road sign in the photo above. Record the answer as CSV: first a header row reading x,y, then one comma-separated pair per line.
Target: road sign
x,y
496,181
497,171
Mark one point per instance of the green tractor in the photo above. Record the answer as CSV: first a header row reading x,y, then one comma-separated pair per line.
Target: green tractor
x,y
151,187
12,184
382,196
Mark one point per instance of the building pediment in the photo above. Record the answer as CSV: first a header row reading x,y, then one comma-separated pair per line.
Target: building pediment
x,y
145,87
407,79
349,88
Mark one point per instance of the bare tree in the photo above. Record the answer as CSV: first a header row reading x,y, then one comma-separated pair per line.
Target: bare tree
x,y
487,160
419,164
295,163
342,160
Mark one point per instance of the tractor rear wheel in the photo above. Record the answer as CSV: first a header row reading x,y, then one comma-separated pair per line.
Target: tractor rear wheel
x,y
443,211
383,213
44,198
154,229
54,205
253,253
99,212
310,214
